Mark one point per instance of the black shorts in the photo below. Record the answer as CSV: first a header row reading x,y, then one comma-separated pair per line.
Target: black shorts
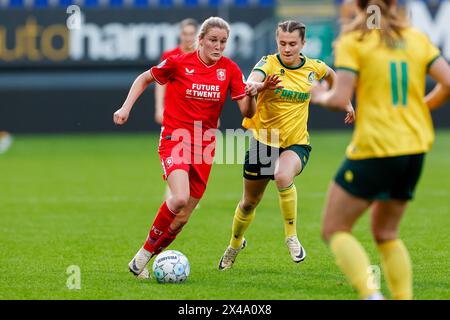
x,y
381,178
260,159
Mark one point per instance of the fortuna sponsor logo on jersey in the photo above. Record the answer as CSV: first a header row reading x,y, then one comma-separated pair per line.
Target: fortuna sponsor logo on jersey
x,y
204,92
291,95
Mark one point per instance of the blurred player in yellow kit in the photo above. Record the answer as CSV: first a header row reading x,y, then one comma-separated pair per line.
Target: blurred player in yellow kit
x,y
386,65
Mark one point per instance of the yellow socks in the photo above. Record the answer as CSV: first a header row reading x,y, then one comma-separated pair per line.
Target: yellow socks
x,y
397,268
353,261
241,221
288,207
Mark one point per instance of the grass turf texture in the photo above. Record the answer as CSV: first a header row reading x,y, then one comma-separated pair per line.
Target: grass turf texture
x,y
89,200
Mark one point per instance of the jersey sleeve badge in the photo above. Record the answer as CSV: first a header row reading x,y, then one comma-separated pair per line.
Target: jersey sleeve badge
x,y
261,62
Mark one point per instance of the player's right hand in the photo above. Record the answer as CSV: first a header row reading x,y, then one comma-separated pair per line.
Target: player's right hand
x,y
120,116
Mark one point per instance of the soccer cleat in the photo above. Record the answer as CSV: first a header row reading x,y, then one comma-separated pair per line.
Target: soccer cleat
x,y
138,264
144,275
227,260
296,250
375,296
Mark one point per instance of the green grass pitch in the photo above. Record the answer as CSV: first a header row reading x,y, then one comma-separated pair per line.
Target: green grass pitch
x,y
88,200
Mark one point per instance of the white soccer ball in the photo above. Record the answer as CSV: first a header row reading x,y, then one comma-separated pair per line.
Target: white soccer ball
x,y
171,266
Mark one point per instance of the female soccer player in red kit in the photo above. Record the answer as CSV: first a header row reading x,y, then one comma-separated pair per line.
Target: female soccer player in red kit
x,y
200,82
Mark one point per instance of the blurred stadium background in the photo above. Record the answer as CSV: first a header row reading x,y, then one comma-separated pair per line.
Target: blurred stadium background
x,y
54,79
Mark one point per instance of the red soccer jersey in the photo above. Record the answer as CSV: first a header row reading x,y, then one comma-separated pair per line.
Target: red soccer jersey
x,y
165,55
197,91
172,52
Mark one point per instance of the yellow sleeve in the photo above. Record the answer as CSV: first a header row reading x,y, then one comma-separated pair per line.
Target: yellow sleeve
x,y
321,69
432,53
346,57
263,66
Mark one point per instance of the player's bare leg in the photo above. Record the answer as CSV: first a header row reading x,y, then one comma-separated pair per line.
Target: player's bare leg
x,y
183,217
341,212
178,181
168,193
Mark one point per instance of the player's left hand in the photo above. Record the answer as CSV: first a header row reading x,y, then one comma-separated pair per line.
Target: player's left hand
x,y
350,117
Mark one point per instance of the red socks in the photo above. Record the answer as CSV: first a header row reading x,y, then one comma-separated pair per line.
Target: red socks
x,y
160,235
165,240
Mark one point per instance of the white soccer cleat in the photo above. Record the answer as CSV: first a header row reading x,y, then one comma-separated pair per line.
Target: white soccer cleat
x,y
375,296
138,264
144,275
296,250
227,260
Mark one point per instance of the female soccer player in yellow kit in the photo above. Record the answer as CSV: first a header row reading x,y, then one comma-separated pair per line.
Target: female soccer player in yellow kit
x,y
393,130
280,146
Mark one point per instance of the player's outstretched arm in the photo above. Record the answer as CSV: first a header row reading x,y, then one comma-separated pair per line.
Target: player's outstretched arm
x,y
339,97
439,71
257,82
247,105
160,91
137,88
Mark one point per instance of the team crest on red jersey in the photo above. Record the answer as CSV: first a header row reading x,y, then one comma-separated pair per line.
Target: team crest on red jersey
x,y
169,162
221,74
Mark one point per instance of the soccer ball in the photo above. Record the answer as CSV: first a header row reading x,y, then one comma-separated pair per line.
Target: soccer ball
x,y
171,266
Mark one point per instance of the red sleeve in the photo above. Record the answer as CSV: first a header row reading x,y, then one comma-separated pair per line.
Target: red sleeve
x,y
164,71
237,85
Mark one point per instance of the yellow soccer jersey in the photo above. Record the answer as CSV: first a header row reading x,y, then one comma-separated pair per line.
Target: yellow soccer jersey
x,y
281,115
391,116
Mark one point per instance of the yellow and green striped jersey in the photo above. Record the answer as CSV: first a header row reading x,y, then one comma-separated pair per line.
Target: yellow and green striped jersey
x,y
281,116
391,116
